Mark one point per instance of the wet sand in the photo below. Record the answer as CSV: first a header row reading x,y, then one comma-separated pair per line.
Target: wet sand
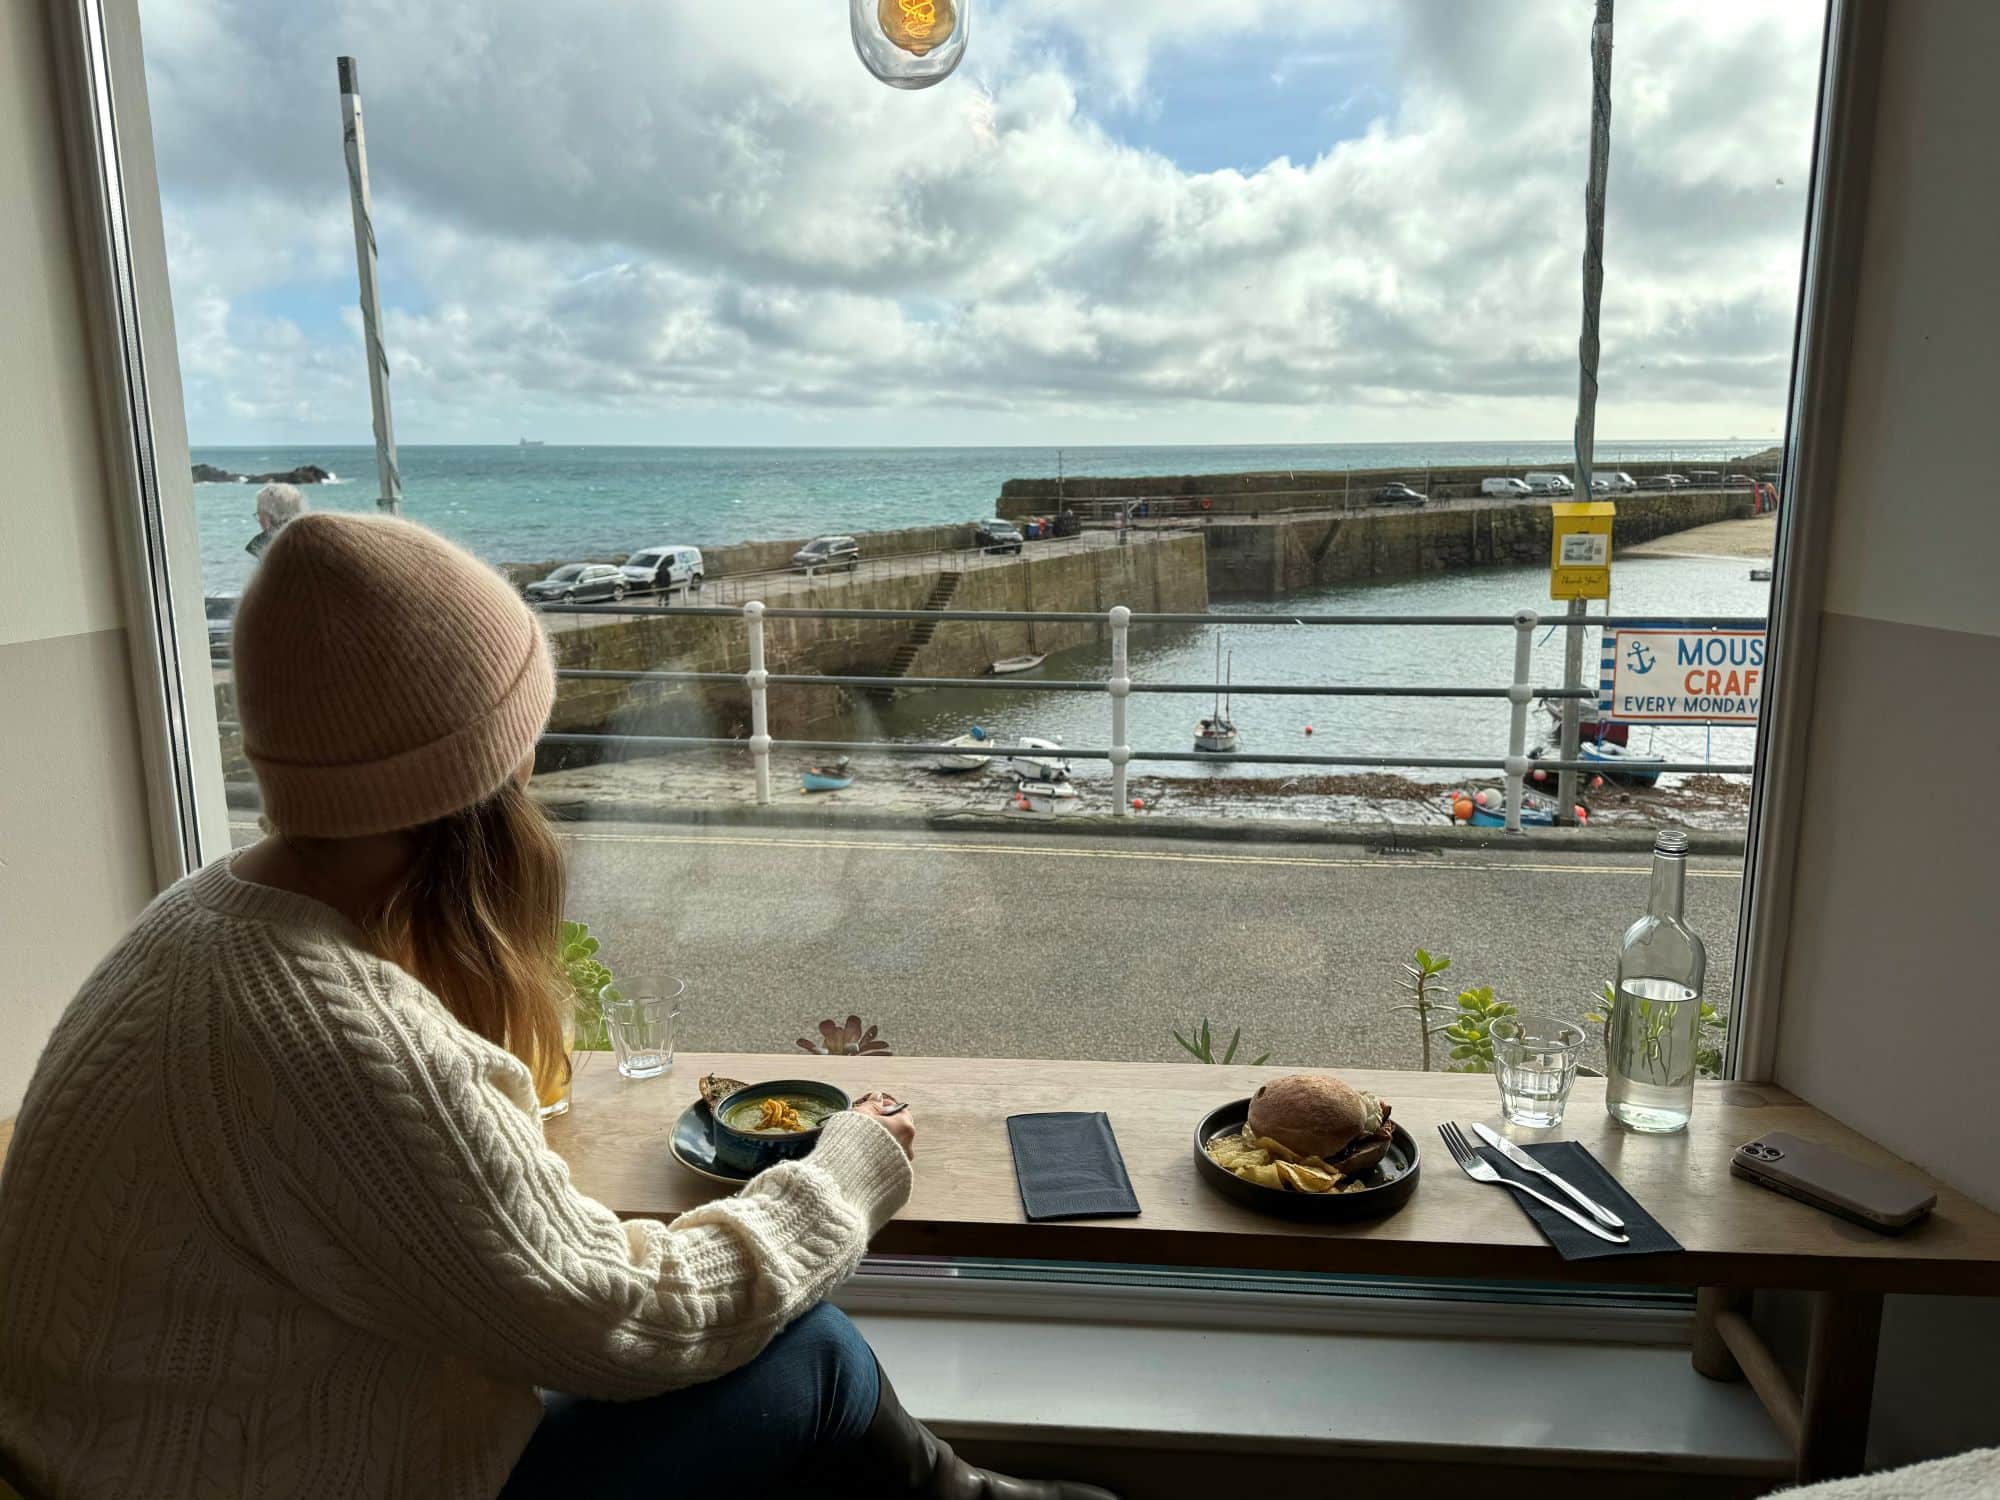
x,y
1754,538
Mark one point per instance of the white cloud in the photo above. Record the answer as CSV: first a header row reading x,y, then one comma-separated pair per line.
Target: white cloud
x,y
630,219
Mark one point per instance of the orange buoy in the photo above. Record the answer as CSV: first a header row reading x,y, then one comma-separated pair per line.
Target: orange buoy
x,y
1138,804
1582,814
1461,809
1309,729
1596,783
1480,797
1539,776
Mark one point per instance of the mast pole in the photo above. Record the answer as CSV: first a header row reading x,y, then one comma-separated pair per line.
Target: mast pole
x,y
390,496
1586,392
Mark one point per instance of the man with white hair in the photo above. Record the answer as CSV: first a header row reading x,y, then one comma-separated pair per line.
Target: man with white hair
x,y
276,504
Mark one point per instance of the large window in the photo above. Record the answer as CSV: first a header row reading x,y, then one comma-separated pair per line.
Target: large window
x,y
1260,325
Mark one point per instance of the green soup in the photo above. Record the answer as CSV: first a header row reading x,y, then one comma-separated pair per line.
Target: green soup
x,y
750,1116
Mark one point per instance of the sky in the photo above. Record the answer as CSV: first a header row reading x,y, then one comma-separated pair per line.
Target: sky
x,y
1133,221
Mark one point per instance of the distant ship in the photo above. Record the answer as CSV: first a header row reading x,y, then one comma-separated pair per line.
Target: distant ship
x,y
531,442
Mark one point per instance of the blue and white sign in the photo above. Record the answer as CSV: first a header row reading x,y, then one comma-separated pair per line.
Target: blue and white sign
x,y
1667,676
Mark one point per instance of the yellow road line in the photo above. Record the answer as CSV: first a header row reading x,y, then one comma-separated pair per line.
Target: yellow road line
x,y
943,846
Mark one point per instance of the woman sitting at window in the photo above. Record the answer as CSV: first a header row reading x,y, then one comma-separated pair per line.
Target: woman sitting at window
x,y
278,1219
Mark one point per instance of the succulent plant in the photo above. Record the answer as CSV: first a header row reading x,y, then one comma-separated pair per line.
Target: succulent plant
x,y
1200,1045
588,975
1470,1032
1419,980
838,1039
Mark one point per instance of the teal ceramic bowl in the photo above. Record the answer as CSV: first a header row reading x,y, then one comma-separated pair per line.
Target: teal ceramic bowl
x,y
748,1151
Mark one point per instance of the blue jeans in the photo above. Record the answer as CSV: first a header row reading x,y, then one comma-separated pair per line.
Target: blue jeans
x,y
788,1417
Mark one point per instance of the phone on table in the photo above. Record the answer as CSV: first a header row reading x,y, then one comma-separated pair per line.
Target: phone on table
x,y
1821,1176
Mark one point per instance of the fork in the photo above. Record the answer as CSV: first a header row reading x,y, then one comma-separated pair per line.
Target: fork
x,y
1479,1169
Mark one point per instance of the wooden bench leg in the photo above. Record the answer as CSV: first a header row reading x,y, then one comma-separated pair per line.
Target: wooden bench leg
x,y
1711,1352
1840,1384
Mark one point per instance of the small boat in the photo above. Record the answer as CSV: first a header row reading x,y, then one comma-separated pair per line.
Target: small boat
x,y
532,443
968,762
1615,763
1492,813
1216,735
1033,767
1048,796
1007,666
1603,731
831,777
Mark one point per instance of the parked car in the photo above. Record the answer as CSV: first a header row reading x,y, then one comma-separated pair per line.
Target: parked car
x,y
1739,482
828,552
1709,477
1508,488
996,536
578,583
1548,482
663,568
1399,494
1621,482
1667,482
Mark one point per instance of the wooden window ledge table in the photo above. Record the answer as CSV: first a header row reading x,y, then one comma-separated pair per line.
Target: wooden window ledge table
x,y
1737,1238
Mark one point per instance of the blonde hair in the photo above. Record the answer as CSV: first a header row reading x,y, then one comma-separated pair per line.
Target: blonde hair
x,y
478,920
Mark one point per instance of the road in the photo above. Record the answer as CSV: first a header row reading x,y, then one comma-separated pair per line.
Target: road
x,y
782,587
1052,945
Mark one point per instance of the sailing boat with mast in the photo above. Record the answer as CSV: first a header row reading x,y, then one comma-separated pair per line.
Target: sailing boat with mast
x,y
1216,735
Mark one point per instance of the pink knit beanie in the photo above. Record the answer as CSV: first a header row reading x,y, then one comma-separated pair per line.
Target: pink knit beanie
x,y
384,677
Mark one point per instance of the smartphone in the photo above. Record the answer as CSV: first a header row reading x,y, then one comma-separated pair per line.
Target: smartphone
x,y
1818,1175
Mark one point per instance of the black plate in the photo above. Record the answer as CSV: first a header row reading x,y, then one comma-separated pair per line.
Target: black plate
x,y
1389,1184
693,1146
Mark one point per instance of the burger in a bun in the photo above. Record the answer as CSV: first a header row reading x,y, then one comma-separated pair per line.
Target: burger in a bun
x,y
1315,1115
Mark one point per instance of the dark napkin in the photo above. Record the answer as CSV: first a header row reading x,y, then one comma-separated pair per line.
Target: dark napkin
x,y
1068,1167
1575,1164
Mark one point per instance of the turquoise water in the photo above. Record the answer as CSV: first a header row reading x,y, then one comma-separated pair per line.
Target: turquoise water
x,y
526,505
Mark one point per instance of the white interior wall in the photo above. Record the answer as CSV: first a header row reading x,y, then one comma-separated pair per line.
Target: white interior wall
x,y
76,852
1886,1020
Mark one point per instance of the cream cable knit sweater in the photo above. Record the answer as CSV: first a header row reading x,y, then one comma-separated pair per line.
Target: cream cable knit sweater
x,y
274,1224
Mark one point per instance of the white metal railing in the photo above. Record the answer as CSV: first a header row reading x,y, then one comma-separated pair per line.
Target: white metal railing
x,y
758,680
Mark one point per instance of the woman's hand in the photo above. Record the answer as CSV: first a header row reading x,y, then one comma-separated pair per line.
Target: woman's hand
x,y
895,1118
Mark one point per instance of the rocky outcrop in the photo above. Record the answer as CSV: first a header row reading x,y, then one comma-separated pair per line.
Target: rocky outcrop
x,y
303,474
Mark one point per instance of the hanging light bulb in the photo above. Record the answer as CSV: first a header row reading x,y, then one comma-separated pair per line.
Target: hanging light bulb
x,y
909,44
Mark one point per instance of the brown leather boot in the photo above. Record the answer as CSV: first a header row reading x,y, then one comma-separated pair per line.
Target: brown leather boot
x,y
900,1456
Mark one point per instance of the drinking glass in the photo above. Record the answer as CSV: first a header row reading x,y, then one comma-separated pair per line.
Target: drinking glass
x,y
641,1016
1534,1061
556,1100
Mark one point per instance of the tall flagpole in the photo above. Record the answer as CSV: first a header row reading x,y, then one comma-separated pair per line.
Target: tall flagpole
x,y
1586,390
390,496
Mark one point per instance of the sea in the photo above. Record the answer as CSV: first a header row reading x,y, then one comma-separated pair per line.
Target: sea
x,y
517,504
531,504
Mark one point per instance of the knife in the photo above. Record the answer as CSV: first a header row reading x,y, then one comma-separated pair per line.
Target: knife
x,y
1527,1163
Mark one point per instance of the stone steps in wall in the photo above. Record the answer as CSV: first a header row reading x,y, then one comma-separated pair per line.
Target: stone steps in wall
x,y
940,597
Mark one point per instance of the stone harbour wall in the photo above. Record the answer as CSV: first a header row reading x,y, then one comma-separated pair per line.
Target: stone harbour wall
x,y
1164,573
1263,559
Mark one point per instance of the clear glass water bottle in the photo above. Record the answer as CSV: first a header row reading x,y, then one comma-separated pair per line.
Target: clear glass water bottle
x,y
1656,1018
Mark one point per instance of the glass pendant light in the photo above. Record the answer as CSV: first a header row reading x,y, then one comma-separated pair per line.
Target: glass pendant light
x,y
909,44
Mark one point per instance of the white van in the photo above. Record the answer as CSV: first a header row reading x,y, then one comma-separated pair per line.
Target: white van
x,y
1548,482
1507,488
663,568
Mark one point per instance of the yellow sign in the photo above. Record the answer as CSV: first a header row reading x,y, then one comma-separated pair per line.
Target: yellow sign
x,y
1580,557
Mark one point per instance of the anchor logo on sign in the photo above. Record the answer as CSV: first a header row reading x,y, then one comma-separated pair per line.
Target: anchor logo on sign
x,y
1642,660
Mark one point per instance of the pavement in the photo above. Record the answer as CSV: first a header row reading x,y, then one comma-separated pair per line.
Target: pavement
x,y
1061,944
